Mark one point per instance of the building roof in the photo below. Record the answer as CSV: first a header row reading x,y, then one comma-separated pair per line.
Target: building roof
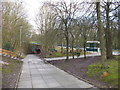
x,y
36,43
93,42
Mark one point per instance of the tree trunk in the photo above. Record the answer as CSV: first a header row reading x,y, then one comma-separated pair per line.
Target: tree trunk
x,y
101,33
118,28
72,48
84,50
108,34
72,44
67,45
67,40
61,46
85,38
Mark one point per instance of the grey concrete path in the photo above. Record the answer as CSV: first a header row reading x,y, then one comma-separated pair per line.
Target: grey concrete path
x,y
70,57
36,74
81,56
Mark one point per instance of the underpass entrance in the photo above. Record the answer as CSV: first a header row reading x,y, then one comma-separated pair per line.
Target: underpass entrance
x,y
34,48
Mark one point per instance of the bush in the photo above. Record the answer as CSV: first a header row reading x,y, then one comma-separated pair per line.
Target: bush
x,y
8,46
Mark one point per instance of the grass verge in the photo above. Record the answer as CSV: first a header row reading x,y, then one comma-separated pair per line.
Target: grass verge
x,y
108,73
10,72
59,54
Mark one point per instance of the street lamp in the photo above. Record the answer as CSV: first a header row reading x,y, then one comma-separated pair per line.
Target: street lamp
x,y
20,38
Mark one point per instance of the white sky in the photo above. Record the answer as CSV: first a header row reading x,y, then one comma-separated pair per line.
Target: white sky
x,y
32,7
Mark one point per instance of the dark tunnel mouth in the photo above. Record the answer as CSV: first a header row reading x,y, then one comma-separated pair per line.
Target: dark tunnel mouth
x,y
34,52
38,51
34,49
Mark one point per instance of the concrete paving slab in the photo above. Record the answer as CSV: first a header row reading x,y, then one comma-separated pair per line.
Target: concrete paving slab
x,y
25,78
40,85
26,83
72,86
25,86
53,85
38,82
37,78
34,72
47,77
37,74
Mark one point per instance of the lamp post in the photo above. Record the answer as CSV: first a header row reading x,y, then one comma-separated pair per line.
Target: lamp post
x,y
20,39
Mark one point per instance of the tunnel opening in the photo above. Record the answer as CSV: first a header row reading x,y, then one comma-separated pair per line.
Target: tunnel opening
x,y
34,48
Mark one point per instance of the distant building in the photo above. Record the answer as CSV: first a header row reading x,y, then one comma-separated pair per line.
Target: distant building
x,y
93,46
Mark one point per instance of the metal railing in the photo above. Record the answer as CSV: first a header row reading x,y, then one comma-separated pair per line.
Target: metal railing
x,y
9,53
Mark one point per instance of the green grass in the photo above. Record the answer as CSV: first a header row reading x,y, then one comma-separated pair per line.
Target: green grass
x,y
111,66
59,54
116,50
116,57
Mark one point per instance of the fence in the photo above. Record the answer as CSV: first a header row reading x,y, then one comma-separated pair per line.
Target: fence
x,y
9,53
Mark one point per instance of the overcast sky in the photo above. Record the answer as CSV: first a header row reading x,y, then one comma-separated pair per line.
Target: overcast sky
x,y
32,7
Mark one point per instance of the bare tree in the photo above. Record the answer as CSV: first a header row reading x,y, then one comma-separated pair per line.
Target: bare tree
x,y
65,14
109,8
45,22
101,33
12,19
108,33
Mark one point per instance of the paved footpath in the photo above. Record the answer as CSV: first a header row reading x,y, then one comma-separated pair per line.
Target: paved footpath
x,y
70,57
37,74
81,56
